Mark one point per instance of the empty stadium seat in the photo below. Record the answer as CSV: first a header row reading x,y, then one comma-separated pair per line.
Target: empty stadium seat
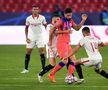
x,y
47,5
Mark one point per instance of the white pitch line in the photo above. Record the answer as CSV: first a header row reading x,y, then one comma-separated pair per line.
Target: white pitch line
x,y
9,85
78,86
6,69
32,78
18,78
60,86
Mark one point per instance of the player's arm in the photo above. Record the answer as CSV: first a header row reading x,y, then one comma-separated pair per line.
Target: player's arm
x,y
56,25
74,51
44,22
45,25
51,35
26,34
77,27
103,44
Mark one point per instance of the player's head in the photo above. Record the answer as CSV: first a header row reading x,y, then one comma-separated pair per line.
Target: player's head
x,y
68,14
35,9
86,31
55,18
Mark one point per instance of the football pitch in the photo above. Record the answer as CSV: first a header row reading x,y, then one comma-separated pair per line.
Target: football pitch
x,y
12,62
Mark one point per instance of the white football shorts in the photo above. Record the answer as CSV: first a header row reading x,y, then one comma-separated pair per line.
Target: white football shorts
x,y
92,62
36,43
51,52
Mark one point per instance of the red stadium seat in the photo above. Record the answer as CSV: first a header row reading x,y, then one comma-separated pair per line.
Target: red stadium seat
x,y
47,5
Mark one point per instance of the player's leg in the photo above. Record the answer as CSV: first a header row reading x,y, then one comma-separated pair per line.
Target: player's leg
x,y
51,58
48,67
71,64
59,66
42,56
43,71
27,57
77,67
79,72
86,62
62,50
41,47
29,48
101,71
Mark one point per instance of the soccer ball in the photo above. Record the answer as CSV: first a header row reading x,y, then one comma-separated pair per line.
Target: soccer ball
x,y
69,79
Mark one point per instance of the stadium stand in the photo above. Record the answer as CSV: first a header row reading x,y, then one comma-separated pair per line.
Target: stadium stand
x,y
47,5
14,12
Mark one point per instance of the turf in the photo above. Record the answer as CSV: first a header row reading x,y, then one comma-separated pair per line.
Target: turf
x,y
12,61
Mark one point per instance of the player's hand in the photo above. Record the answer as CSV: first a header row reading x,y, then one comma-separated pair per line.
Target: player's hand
x,y
56,31
28,40
65,58
68,31
84,16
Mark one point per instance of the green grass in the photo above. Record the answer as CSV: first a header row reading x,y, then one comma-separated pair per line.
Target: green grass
x,y
12,61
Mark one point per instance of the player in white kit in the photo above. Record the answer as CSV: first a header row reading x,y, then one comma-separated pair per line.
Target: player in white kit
x,y
34,30
51,50
91,46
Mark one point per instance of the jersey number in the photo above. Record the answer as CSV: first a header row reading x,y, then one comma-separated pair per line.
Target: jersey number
x,y
93,46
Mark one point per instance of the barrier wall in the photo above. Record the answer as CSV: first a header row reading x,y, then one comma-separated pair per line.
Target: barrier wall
x,y
9,18
15,35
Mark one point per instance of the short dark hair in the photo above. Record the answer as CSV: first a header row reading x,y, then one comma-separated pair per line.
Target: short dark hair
x,y
35,6
55,15
86,29
68,10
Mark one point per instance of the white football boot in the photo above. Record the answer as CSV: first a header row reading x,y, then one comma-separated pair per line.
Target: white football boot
x,y
25,71
40,78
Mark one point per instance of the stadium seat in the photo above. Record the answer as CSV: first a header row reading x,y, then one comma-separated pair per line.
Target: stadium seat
x,y
47,5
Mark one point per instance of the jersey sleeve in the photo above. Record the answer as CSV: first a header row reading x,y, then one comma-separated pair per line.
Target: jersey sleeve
x,y
44,20
99,41
27,22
